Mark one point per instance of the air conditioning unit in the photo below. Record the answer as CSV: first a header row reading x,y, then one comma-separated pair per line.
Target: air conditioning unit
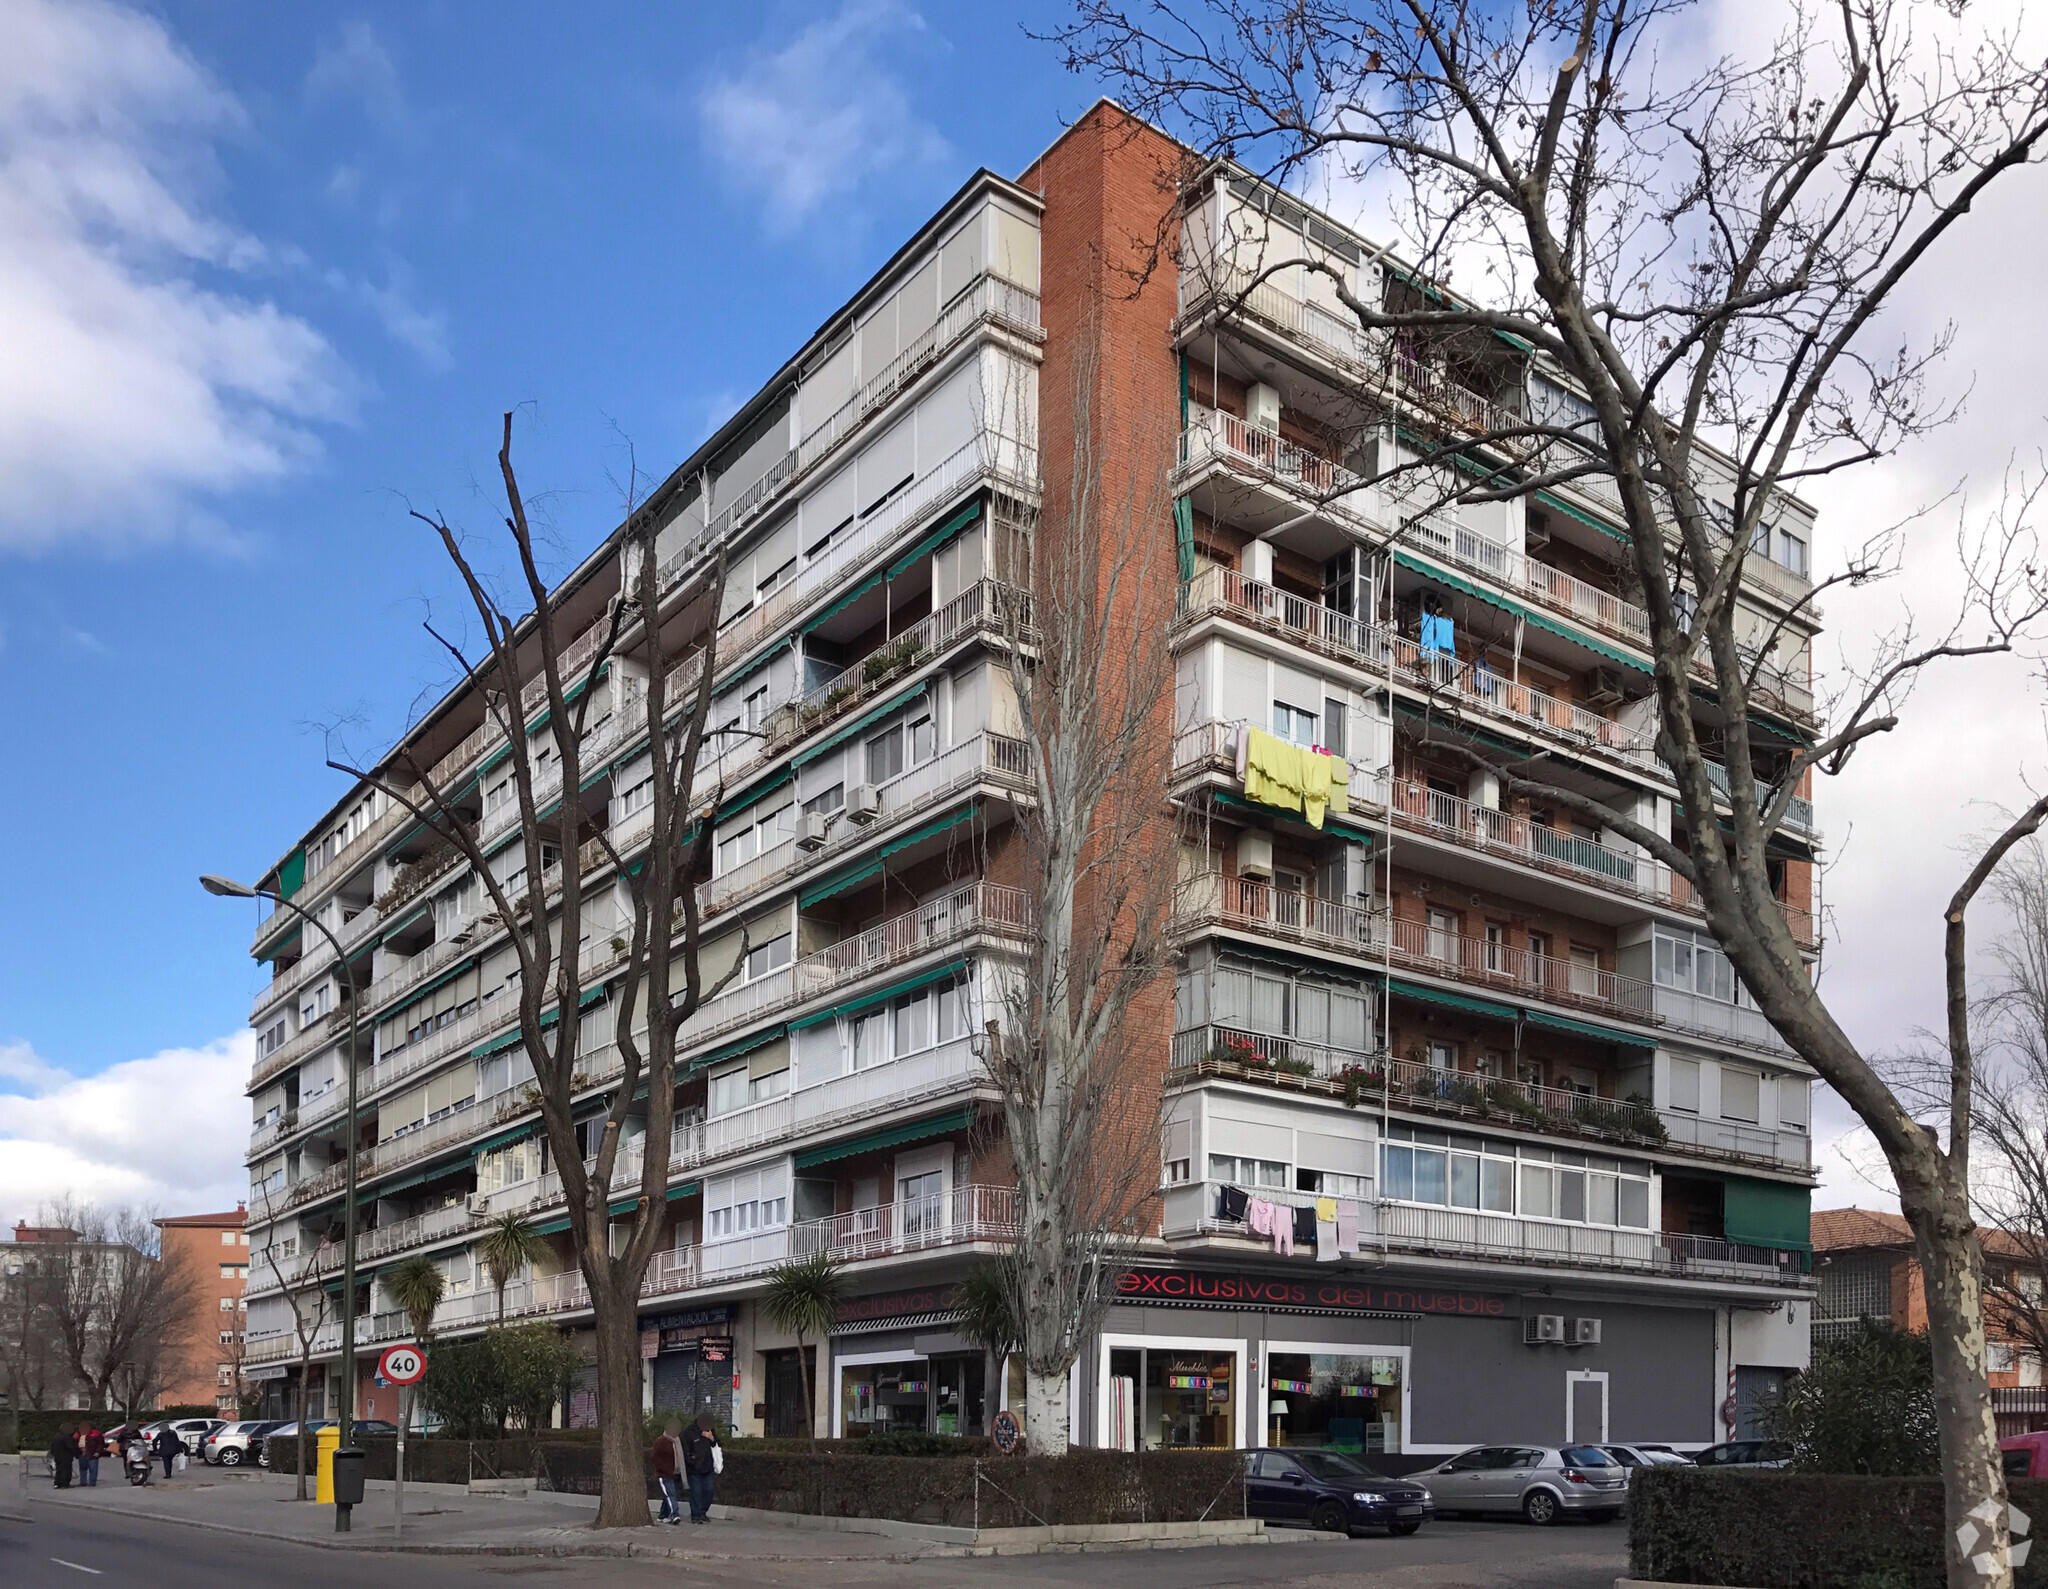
x,y
1262,407
1543,1329
479,1205
1254,853
810,830
1603,687
863,803
1583,1332
1535,537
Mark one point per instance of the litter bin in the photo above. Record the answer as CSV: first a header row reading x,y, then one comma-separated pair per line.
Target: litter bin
x,y
328,1441
348,1477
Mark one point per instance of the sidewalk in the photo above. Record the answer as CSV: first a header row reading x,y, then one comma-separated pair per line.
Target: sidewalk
x,y
445,1519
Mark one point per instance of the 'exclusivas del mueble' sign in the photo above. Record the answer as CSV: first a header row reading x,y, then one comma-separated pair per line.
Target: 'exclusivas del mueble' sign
x,y
1208,1288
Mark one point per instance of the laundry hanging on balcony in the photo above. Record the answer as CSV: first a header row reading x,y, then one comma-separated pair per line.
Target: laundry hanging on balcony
x,y
1293,777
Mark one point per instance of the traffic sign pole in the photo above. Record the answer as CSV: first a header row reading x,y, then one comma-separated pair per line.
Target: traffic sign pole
x,y
405,1367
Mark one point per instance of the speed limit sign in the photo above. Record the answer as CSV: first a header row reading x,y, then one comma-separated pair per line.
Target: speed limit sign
x,y
402,1365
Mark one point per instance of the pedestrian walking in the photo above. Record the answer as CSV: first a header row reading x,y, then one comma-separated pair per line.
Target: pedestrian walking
x,y
168,1446
63,1452
668,1453
702,1458
92,1445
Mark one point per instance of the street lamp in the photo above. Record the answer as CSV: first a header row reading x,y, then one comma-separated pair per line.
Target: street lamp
x,y
227,888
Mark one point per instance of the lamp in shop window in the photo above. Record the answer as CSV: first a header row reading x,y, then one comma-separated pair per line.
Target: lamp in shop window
x,y
1276,1409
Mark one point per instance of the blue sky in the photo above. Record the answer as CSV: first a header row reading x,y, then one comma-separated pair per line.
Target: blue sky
x,y
273,272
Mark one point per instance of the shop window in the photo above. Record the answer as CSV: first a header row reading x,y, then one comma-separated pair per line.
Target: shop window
x,y
1165,1399
878,1397
1340,1401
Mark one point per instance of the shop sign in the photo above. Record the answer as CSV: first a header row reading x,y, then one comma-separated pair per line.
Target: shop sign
x,y
693,1319
650,1344
1207,1288
899,1304
716,1349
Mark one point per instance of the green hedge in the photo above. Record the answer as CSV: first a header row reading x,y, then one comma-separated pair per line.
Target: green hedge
x,y
1772,1529
35,1428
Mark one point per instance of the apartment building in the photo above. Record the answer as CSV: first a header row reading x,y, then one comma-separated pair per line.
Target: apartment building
x,y
204,1365
1563,1163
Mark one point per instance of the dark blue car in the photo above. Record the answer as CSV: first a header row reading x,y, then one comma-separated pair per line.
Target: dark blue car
x,y
1331,1491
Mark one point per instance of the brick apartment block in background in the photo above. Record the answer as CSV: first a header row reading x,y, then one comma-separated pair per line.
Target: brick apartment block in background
x,y
1572,1158
204,1368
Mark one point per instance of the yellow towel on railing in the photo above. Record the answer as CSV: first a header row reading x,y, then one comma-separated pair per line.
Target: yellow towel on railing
x,y
1340,785
1289,777
1326,1210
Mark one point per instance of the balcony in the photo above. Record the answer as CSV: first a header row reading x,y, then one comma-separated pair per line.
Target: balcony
x,y
1511,972
1798,814
1248,903
1306,622
1189,1210
986,758
394,816
977,908
990,457
987,300
1720,1022
328,1028
967,1215
1777,1148
1210,747
989,605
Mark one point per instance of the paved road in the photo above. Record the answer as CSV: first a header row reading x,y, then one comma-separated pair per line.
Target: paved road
x,y
46,1545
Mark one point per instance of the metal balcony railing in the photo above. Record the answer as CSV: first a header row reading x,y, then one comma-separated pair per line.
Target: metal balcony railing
x,y
977,908
1279,913
1499,1236
1516,973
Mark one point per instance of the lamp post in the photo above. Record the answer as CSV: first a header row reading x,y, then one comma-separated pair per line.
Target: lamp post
x,y
227,888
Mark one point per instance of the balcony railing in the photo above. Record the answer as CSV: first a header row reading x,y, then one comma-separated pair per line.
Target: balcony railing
x,y
968,1214
1798,814
1499,1236
1475,826
987,603
977,908
1713,1018
987,757
1515,972
1278,913
1211,746
1733,1139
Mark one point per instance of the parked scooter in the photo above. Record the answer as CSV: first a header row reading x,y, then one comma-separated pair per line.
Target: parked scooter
x,y
137,1462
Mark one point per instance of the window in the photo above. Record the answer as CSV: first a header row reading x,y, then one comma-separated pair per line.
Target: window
x,y
833,799
1443,935
755,709
1179,1170
227,1304
1685,1085
227,1238
500,794
770,956
1999,1357
775,581
729,1091
1246,1172
885,755
1443,1056
1792,552
1333,725
1449,1169
922,741
1293,724
224,1373
269,1041
1693,964
1740,1094
1496,949
227,1337
234,1271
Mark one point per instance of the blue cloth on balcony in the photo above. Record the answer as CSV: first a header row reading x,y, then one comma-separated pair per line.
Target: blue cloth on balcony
x,y
1231,1203
1439,634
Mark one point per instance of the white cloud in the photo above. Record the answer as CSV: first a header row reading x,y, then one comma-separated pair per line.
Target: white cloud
x,y
822,116
356,67
136,368
168,1130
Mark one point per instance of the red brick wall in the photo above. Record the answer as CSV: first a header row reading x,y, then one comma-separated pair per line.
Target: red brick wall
x,y
192,1379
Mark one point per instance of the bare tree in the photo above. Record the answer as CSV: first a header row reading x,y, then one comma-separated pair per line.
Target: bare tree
x,y
115,1305
28,1356
1709,254
302,1280
667,628
1092,673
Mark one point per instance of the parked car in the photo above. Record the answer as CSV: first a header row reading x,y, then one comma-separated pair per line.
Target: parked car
x,y
288,1432
232,1444
1330,1491
1543,1483
1646,1456
1745,1454
193,1431
2025,1456
376,1426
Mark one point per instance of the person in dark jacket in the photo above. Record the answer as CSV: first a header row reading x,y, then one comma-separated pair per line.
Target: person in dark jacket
x,y
168,1446
63,1452
699,1464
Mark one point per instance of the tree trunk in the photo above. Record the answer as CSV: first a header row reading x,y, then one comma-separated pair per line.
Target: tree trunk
x,y
305,1379
1973,1477
624,1501
803,1363
1045,1413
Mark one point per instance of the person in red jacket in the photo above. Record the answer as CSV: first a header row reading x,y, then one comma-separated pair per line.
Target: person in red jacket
x,y
668,1451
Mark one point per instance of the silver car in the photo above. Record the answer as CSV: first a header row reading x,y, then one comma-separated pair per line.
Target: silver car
x,y
1542,1483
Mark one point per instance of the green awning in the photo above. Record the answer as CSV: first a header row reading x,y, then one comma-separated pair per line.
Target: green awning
x,y
687,1189
553,1227
1184,517
736,1048
1494,598
835,886
932,542
867,1001
625,1205
417,916
1557,504
459,1161
282,944
766,786
1508,1012
748,669
1767,1213
1342,827
291,873
859,725
548,1017
872,582
894,1136
505,1139
930,830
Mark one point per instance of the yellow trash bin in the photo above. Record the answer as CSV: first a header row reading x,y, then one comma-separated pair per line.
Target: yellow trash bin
x,y
330,1442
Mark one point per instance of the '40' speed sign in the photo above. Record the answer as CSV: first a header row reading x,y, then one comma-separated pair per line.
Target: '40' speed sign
x,y
402,1365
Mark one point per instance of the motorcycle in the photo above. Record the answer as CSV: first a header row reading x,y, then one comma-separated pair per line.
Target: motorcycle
x,y
138,1463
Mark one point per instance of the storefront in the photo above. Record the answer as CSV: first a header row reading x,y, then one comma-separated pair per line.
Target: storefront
x,y
693,1362
898,1363
1387,1367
